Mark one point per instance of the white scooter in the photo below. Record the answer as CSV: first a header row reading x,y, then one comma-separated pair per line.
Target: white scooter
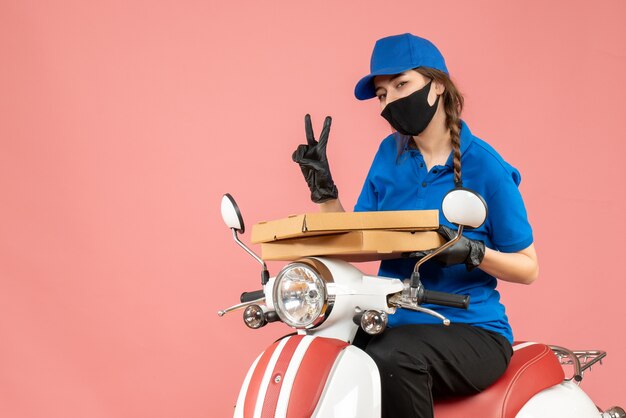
x,y
315,372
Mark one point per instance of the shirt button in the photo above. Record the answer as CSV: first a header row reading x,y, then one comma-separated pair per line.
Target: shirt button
x,y
424,184
421,164
434,171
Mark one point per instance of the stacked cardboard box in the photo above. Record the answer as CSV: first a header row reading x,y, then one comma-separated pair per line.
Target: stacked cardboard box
x,y
352,236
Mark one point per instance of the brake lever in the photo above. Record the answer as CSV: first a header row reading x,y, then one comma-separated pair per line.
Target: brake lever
x,y
399,301
241,306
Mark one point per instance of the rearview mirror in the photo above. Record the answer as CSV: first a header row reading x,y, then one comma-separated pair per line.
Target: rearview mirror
x,y
231,214
464,207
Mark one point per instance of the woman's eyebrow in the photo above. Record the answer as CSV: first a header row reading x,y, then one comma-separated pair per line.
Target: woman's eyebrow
x,y
390,80
396,76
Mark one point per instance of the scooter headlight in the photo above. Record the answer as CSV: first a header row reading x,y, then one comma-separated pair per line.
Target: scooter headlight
x,y
301,296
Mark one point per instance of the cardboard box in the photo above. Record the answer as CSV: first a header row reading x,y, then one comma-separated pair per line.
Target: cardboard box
x,y
313,224
352,236
355,246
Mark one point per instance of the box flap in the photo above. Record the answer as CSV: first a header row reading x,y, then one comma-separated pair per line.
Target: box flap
x,y
311,224
266,231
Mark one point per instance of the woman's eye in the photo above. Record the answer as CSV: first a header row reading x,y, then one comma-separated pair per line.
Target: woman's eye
x,y
381,96
402,83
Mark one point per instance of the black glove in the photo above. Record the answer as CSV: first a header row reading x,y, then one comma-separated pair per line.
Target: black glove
x,y
313,163
466,251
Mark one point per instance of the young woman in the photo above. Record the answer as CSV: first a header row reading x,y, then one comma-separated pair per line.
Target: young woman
x,y
432,151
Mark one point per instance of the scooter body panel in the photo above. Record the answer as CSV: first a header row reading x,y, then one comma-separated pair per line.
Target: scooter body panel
x,y
565,400
352,389
310,376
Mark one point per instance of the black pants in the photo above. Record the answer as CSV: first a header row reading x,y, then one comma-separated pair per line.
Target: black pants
x,y
419,362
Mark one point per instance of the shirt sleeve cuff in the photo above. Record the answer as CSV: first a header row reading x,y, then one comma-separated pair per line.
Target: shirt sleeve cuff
x,y
515,247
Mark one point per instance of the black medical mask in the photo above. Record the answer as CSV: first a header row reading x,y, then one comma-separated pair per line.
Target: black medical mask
x,y
410,115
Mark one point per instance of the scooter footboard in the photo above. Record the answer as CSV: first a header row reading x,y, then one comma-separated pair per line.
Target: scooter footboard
x,y
304,376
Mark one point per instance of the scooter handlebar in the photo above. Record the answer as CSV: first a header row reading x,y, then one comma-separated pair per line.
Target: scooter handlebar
x,y
250,296
445,299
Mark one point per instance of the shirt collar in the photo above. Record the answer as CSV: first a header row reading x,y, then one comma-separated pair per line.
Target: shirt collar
x,y
466,140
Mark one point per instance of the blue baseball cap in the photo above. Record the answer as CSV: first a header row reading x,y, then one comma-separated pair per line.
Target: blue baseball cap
x,y
396,54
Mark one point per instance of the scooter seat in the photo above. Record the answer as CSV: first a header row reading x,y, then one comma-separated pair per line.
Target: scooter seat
x,y
533,368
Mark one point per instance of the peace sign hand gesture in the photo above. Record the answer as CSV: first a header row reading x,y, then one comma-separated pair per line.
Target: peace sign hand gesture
x,y
313,162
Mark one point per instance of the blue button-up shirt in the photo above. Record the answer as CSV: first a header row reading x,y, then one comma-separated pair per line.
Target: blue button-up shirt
x,y
402,182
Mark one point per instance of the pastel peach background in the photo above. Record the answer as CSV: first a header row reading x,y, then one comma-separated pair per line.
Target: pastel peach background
x,y
123,122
